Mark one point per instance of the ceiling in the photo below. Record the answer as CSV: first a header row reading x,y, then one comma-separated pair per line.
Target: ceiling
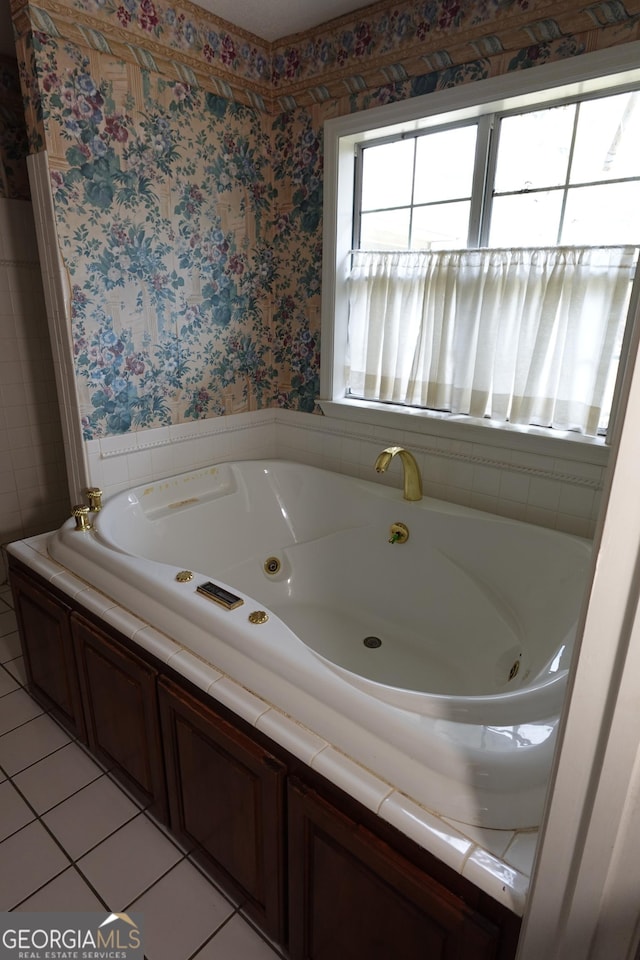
x,y
270,20
275,19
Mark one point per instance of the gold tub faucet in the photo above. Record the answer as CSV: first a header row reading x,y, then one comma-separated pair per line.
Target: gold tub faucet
x,y
412,478
94,495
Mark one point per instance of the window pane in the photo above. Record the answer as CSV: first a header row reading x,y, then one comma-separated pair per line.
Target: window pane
x,y
527,220
444,165
607,214
444,226
388,230
534,149
387,175
608,139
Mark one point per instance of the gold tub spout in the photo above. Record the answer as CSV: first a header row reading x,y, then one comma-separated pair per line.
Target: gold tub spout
x,y
412,478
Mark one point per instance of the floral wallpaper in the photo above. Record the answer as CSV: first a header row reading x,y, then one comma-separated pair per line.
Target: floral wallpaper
x,y
188,29
14,182
163,201
186,169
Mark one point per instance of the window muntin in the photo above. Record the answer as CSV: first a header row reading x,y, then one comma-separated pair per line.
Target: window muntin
x,y
417,191
574,169
534,149
561,174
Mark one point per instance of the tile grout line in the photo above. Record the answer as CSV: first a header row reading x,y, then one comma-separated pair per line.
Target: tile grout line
x,y
259,933
11,776
37,819
106,771
72,866
214,934
74,862
236,910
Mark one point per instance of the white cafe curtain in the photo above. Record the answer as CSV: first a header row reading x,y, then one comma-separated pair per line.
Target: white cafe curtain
x,y
527,335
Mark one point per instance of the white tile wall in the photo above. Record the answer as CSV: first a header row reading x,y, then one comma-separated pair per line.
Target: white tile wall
x,y
542,488
33,486
117,463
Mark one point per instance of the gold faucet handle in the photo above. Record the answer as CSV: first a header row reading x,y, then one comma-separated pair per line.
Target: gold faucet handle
x,y
81,515
94,495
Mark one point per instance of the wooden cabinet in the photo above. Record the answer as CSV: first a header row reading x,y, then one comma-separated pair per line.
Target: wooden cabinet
x,y
226,802
121,712
352,896
48,651
272,832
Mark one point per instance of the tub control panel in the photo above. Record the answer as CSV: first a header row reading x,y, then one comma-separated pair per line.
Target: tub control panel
x,y
219,595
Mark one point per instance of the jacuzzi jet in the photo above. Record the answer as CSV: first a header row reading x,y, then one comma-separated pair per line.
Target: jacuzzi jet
x,y
272,565
372,642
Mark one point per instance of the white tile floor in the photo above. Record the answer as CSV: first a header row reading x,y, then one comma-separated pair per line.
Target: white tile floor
x,y
71,839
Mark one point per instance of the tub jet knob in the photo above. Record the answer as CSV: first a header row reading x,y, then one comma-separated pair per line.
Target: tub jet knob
x,y
258,616
399,533
81,515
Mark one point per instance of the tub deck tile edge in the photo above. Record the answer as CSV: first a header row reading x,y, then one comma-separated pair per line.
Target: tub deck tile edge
x,y
489,872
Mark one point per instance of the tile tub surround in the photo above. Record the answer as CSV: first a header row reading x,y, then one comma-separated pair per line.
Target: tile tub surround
x,y
557,486
480,855
65,827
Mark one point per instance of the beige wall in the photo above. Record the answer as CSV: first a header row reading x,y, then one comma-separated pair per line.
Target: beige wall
x,y
33,484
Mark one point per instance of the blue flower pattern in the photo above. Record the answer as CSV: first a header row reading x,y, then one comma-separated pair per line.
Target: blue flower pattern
x,y
172,314
191,224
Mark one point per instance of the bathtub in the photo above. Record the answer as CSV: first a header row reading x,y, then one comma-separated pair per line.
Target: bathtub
x,y
440,663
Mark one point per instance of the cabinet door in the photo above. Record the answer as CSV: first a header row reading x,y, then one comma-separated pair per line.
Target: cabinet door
x,y
351,896
121,712
43,623
225,800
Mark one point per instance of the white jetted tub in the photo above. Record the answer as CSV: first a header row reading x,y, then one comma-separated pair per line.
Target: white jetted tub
x,y
440,663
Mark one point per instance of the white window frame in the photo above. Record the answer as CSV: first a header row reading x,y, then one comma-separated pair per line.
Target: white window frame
x,y
603,70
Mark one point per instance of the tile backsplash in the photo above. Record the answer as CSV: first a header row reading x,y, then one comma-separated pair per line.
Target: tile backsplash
x,y
548,490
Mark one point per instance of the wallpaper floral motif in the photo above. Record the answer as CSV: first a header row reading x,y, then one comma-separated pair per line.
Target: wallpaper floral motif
x,y
391,32
188,29
162,200
190,222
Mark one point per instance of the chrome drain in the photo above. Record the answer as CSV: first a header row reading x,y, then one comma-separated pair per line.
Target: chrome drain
x,y
372,642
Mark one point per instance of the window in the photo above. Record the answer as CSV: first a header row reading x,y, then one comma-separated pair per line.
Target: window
x,y
483,266
416,192
560,175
